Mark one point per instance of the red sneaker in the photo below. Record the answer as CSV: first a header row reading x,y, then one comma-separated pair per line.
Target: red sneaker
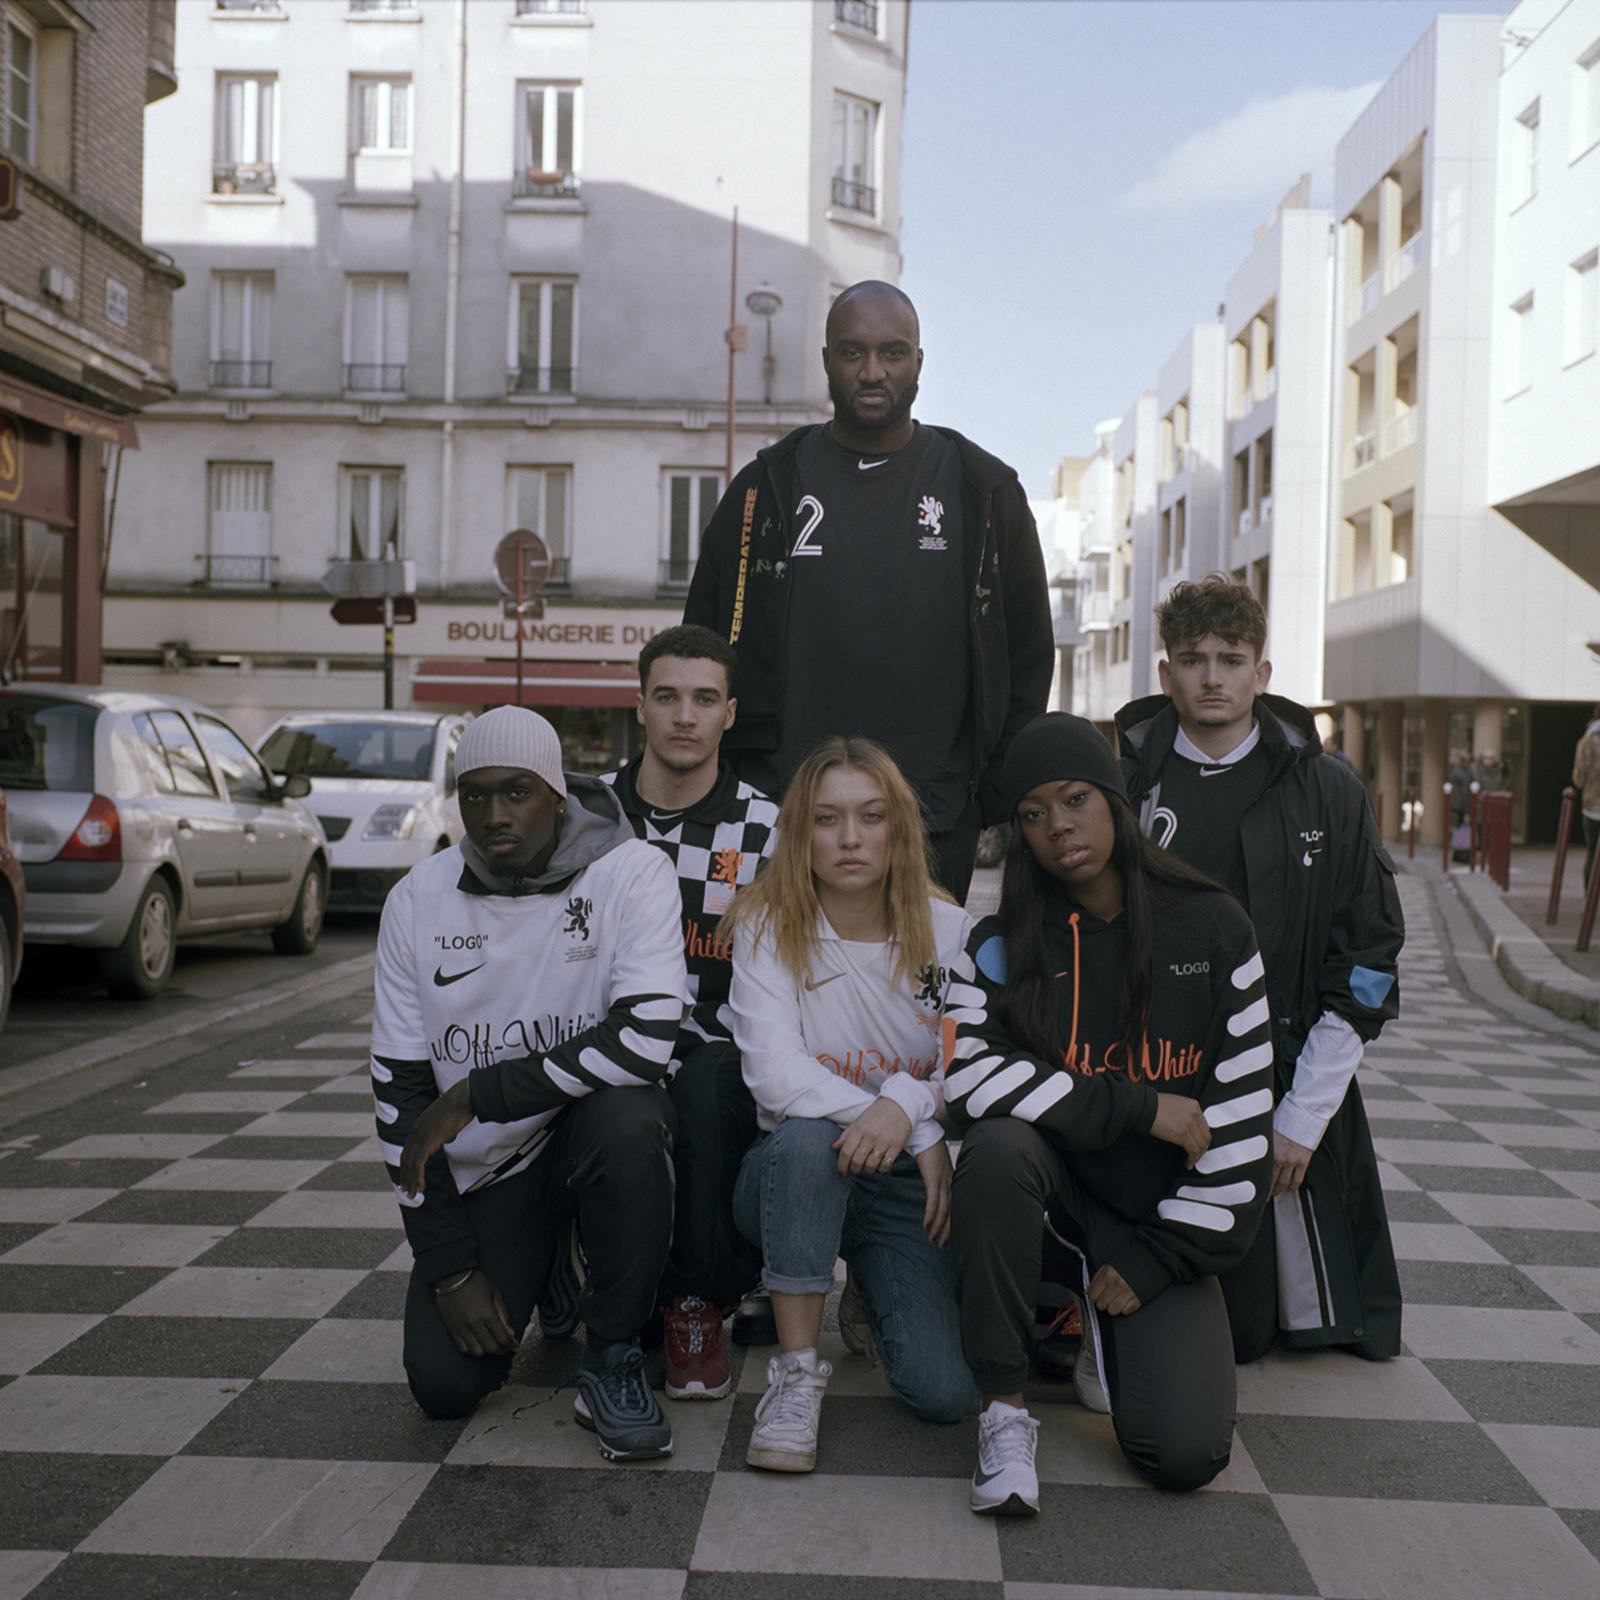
x,y
697,1358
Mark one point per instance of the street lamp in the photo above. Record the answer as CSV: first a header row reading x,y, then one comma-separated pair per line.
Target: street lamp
x,y
765,304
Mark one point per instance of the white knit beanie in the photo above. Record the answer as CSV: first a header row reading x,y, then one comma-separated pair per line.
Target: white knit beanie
x,y
512,736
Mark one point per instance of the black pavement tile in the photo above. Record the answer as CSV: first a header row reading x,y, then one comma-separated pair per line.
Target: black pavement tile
x,y
827,1586
302,1247
258,1147
1394,1128
1466,1283
30,1288
1412,1205
177,1347
1360,1458
14,1233
106,1174
211,1207
555,1517
1484,1180
369,1176
1561,1160
1544,1247
553,1363
1532,1116
94,1577
1586,1524
380,1295
859,1434
1544,1393
52,1501
1592,1318
1101,1537
326,1422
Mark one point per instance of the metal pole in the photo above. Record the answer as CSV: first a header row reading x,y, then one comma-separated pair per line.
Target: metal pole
x,y
1411,827
1569,802
522,558
733,348
1447,828
388,652
1591,902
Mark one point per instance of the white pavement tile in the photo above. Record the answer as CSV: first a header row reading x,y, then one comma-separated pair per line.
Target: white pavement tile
x,y
410,1580
300,1067
1332,1383
888,1528
29,1337
1521,1211
1467,1095
229,1102
345,1350
331,1208
1439,1241
223,1506
337,1041
308,1125
1555,1087
244,1292
1080,1447
1572,1288
1586,1185
233,1176
109,1416
1563,1464
50,1205
134,1147
116,1244
357,1084
22,1571
1444,1153
1589,1119
1394,1180
1408,1111
1419,1550
1540,1135
1494,1333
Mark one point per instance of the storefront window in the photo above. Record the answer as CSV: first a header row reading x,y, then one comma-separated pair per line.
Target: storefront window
x,y
593,738
31,557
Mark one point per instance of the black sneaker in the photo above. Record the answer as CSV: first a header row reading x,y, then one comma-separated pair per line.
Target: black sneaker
x,y
614,1401
558,1305
753,1322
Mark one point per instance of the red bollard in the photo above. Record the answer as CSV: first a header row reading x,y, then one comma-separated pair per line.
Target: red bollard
x,y
1569,804
1447,829
1591,903
1495,812
1476,861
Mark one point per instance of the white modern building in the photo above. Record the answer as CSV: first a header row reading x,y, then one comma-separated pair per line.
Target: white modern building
x,y
1130,658
1089,482
458,267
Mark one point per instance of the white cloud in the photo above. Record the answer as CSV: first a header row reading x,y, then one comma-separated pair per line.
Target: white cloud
x,y
1256,153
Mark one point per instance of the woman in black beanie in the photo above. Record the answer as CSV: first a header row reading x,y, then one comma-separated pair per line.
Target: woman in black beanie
x,y
1108,956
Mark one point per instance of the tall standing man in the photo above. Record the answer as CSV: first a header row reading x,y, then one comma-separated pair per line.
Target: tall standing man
x,y
716,831
880,577
1235,781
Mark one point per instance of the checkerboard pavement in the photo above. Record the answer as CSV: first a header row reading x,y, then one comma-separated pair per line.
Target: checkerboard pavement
x,y
201,1276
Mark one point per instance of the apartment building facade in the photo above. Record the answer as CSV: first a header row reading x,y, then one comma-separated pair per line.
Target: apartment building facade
x,y
85,310
458,269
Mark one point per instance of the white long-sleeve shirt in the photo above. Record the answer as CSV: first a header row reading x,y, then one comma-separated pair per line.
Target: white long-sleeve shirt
x,y
827,1044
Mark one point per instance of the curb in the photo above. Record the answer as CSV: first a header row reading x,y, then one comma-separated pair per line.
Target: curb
x,y
1523,958
34,1074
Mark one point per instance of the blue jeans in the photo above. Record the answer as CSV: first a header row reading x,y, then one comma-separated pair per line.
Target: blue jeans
x,y
792,1200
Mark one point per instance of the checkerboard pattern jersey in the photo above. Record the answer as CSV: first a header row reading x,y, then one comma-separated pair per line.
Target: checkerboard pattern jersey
x,y
201,1278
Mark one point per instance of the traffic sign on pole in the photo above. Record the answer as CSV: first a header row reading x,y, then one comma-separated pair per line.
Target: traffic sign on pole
x,y
370,612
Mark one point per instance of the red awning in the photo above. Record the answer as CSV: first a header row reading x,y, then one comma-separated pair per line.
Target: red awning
x,y
462,681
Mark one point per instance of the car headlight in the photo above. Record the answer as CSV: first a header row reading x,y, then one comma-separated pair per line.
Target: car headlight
x,y
391,822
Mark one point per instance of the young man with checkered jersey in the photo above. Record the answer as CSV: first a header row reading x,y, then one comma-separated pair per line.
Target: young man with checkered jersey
x,y
529,988
716,831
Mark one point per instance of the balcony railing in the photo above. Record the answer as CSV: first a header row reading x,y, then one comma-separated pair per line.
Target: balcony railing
x,y
244,177
1246,521
861,14
675,573
1406,261
1362,452
241,374
551,8
1371,294
532,183
237,572
374,377
855,196
249,5
1400,431
368,7
1094,612
542,380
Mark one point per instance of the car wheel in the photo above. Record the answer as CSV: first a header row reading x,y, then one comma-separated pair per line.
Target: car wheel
x,y
5,974
140,966
298,935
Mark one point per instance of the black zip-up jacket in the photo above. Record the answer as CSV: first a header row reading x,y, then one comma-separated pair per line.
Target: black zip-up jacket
x,y
1322,894
741,590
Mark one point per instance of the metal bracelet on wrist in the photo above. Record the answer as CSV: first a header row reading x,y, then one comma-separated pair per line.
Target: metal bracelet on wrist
x,y
450,1286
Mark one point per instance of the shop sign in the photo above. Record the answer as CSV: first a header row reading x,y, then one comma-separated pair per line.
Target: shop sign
x,y
11,461
37,472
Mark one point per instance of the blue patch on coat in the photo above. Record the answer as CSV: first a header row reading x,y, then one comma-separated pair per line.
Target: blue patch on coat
x,y
991,959
1369,987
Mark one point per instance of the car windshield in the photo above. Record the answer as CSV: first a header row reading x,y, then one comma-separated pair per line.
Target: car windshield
x,y
46,743
351,750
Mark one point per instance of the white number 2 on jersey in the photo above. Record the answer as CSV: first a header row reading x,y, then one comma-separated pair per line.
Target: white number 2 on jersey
x,y
811,510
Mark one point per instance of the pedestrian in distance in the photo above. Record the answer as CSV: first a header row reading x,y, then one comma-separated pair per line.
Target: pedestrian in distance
x,y
842,951
717,831
1110,1070
1586,779
880,578
1235,781
530,986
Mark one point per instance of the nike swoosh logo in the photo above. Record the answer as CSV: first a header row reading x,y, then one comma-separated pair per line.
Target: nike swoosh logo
x,y
444,979
818,983
980,1477
867,466
1214,772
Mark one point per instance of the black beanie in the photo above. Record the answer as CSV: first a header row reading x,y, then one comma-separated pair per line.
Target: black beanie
x,y
1056,748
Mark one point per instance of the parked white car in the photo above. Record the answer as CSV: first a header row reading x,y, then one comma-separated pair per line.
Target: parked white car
x,y
140,819
383,784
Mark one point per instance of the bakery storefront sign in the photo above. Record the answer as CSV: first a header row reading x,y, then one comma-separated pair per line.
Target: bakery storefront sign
x,y
564,633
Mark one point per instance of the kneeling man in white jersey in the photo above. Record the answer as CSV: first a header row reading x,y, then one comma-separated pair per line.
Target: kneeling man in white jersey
x,y
529,987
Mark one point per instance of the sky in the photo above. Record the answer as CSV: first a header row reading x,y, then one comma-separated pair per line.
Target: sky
x,y
1082,177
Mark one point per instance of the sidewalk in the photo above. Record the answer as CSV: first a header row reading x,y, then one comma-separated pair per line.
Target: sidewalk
x,y
1537,960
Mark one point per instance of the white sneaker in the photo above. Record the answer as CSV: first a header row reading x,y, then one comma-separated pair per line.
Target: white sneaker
x,y
1088,1382
785,1435
1005,1483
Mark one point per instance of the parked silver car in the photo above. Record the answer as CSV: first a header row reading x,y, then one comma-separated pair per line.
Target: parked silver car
x,y
141,819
